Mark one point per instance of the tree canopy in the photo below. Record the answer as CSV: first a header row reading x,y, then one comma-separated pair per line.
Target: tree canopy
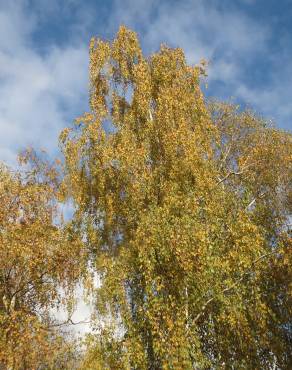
x,y
184,204
37,258
182,207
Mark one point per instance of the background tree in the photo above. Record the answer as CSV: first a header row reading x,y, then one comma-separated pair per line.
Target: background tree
x,y
38,258
184,208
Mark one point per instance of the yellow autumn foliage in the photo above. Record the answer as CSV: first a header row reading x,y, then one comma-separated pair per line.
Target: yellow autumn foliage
x,y
183,205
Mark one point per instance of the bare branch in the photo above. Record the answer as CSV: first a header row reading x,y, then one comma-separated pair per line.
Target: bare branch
x,y
222,180
69,321
255,199
225,156
150,115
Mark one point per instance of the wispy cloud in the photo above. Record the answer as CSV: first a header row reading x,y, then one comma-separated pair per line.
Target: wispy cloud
x,y
202,28
39,93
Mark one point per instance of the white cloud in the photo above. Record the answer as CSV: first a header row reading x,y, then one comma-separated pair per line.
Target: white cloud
x,y
15,28
198,26
39,94
274,99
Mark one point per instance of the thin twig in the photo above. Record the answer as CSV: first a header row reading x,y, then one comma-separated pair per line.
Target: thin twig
x,y
254,200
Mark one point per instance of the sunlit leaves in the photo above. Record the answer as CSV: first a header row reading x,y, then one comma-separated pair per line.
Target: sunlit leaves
x,y
182,206
38,257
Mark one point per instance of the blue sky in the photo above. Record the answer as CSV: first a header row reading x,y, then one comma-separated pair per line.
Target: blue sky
x,y
44,58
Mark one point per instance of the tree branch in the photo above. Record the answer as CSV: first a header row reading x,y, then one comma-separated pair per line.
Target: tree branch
x,y
69,321
222,180
227,289
254,200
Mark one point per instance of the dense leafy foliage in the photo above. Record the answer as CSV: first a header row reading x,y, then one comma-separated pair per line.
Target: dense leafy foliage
x,y
37,258
184,207
182,210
